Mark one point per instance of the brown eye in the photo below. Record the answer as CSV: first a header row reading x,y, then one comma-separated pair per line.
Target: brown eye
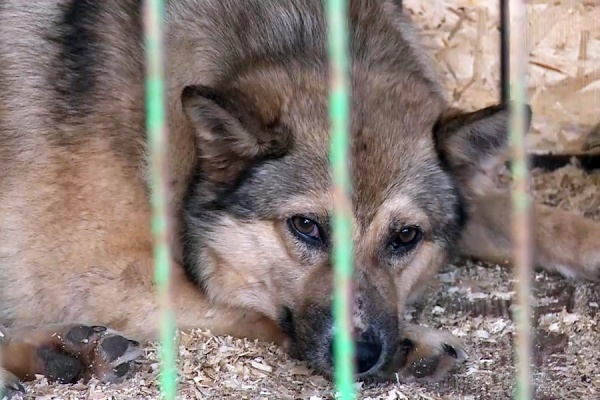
x,y
406,238
304,226
407,235
306,229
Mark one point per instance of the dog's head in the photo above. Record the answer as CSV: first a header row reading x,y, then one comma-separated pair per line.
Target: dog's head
x,y
258,214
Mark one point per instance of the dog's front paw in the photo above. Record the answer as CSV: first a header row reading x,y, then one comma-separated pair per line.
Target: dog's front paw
x,y
68,353
428,355
90,350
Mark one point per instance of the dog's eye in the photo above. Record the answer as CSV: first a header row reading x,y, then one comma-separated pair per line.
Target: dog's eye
x,y
306,229
406,238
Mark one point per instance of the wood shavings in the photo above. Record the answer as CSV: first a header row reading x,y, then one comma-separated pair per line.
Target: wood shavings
x,y
564,46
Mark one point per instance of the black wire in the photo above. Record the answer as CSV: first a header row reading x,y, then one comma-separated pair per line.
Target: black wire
x,y
504,52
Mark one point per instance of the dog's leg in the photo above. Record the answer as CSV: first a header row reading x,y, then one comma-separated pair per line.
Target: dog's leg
x,y
562,241
66,353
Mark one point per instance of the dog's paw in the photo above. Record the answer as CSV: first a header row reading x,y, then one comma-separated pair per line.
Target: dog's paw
x,y
428,355
89,350
68,353
9,385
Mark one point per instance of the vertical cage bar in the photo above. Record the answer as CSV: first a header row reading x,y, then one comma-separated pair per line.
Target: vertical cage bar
x,y
504,51
157,139
339,111
521,202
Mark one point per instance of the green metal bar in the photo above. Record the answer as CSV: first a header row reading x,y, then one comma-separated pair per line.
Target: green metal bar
x,y
339,110
157,139
521,200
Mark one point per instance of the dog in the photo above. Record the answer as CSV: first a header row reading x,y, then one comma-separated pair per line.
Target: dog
x,y
250,187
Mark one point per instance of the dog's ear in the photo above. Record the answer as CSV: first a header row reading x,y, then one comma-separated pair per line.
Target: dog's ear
x,y
471,143
232,132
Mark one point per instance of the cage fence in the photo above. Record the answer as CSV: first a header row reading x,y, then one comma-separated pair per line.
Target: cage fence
x,y
156,121
513,84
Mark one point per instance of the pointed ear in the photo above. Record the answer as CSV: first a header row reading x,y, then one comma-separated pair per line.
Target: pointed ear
x,y
471,143
231,132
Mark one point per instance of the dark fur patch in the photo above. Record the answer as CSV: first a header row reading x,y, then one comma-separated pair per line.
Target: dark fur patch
x,y
202,208
227,198
462,217
59,367
80,55
286,323
203,196
86,70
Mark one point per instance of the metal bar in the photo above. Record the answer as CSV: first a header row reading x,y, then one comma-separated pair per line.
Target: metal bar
x,y
339,109
521,199
157,139
504,51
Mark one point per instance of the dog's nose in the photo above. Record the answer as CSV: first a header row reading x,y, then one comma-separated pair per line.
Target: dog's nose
x,y
367,354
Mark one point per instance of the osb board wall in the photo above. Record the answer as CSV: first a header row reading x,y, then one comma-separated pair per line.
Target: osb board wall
x,y
564,63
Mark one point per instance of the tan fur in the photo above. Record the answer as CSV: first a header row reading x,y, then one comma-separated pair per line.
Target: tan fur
x,y
75,238
562,242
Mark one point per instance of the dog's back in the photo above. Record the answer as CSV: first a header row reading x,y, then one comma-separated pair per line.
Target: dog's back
x,y
71,135
72,70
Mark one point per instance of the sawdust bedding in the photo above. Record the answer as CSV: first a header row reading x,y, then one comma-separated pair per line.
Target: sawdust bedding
x,y
470,299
